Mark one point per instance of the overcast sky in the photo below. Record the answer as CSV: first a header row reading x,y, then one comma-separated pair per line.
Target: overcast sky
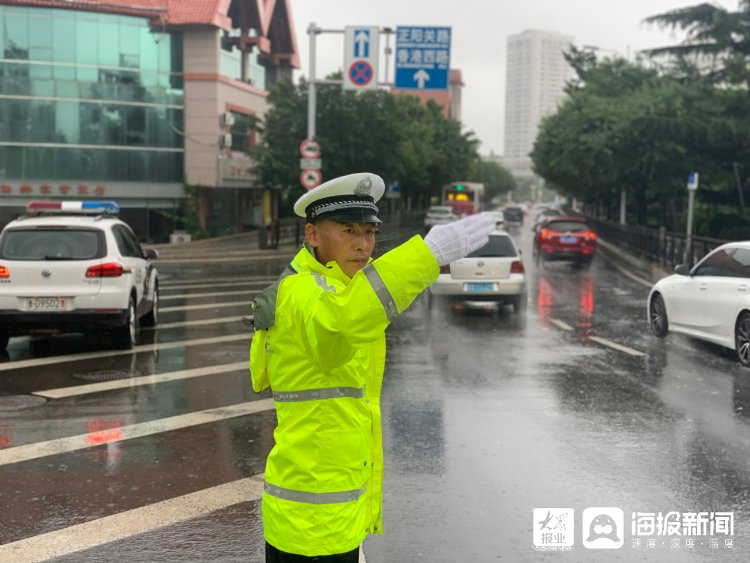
x,y
480,29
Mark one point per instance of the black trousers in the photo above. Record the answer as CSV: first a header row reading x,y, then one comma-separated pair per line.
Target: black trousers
x,y
273,555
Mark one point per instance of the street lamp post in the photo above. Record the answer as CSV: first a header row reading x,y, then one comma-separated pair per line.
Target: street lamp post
x,y
692,186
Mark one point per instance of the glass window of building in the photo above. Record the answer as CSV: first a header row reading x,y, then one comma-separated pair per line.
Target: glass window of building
x,y
100,80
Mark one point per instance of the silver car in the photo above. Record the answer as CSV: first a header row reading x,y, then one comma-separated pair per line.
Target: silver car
x,y
495,272
439,215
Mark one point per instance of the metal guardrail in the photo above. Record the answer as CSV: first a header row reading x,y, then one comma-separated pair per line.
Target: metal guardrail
x,y
658,245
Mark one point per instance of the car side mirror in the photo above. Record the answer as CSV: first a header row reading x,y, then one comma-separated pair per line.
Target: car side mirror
x,y
682,270
152,254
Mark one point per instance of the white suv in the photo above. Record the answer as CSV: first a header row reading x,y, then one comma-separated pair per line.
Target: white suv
x,y
75,267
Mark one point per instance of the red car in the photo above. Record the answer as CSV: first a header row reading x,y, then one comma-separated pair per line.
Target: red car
x,y
564,238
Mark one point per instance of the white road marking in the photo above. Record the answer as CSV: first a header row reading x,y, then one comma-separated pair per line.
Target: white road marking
x,y
220,320
238,259
213,285
628,273
132,522
563,325
168,282
129,382
615,346
163,298
206,306
35,362
38,450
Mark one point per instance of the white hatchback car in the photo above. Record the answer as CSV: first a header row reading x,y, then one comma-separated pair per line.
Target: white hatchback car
x,y
439,215
75,267
494,272
710,302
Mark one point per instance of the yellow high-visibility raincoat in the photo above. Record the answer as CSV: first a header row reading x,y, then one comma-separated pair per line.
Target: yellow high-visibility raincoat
x,y
320,344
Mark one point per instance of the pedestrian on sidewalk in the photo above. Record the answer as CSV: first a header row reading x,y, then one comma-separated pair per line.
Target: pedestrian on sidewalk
x,y
319,344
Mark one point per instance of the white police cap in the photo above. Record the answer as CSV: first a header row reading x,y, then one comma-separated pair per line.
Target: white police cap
x,y
347,199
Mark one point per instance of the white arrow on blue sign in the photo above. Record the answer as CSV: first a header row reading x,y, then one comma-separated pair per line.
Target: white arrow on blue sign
x,y
423,57
360,57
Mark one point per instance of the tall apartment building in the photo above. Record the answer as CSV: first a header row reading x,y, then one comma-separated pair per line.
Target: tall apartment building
x,y
536,73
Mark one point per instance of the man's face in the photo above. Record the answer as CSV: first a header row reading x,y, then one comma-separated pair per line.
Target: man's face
x,y
349,244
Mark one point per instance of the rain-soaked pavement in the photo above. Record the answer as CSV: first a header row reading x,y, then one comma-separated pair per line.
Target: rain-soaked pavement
x,y
498,430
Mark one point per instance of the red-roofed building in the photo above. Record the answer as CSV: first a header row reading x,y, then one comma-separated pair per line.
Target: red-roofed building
x,y
128,99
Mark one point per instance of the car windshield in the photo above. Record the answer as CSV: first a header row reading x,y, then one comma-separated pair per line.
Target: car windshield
x,y
51,244
567,226
499,246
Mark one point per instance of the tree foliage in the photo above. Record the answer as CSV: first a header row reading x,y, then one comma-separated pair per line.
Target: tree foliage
x,y
496,179
626,127
394,136
714,34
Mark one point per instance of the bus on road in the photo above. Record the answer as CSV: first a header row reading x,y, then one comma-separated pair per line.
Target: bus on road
x,y
464,197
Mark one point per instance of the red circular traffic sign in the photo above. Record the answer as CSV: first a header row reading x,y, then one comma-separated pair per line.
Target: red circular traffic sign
x,y
309,149
310,178
361,73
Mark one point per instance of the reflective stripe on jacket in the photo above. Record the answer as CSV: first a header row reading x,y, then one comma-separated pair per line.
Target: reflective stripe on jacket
x,y
323,358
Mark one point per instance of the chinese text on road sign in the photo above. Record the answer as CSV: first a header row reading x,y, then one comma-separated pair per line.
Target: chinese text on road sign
x,y
423,57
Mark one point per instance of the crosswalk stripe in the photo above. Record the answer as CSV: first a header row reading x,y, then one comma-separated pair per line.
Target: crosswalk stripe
x,y
155,347
247,292
219,320
167,282
245,303
129,382
132,522
27,452
213,285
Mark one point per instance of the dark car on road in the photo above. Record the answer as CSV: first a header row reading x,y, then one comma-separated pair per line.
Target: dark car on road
x,y
513,214
564,238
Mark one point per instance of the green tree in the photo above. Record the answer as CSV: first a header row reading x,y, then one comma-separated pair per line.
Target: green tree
x,y
394,136
711,32
625,127
496,179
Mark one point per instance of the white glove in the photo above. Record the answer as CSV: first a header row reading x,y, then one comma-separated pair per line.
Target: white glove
x,y
455,240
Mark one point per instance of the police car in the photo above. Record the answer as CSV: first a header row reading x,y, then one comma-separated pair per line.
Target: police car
x,y
75,267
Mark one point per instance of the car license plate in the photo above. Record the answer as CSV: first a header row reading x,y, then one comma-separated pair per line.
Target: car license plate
x,y
568,240
46,304
479,286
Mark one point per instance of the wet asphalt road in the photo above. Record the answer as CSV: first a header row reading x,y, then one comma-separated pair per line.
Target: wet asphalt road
x,y
486,417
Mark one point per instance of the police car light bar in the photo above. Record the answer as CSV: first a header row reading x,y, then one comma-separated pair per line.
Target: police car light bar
x,y
88,207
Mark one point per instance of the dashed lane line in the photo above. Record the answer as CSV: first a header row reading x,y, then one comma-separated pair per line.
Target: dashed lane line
x,y
28,452
563,325
155,347
628,273
77,390
599,340
615,346
132,522
206,306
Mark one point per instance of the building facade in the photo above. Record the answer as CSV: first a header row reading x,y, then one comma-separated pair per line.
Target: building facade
x,y
536,73
135,100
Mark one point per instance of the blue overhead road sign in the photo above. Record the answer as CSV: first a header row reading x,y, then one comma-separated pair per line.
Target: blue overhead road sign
x,y
423,56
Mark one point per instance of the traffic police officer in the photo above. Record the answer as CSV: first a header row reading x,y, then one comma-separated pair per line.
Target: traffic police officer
x,y
319,344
